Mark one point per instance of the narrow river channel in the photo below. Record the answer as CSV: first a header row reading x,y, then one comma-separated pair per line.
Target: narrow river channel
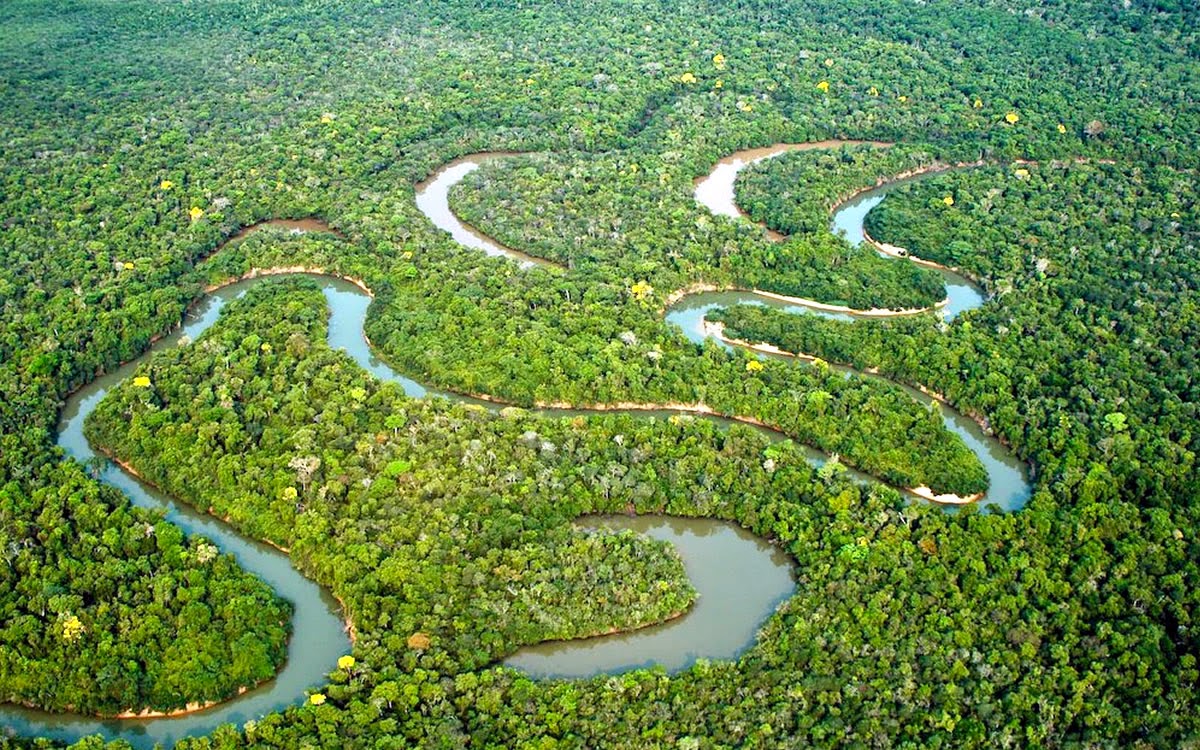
x,y
741,578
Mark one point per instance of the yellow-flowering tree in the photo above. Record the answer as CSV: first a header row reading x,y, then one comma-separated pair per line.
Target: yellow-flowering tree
x,y
72,629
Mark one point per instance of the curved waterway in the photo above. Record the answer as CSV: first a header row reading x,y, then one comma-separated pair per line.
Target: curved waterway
x,y
433,200
1008,476
709,548
739,578
1008,483
318,632
716,192
848,218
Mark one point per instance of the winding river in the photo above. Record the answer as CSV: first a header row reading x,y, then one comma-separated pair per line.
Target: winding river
x,y
319,634
716,192
1008,479
741,578
433,200
1008,482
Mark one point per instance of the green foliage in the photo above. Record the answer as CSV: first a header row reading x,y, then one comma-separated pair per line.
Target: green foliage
x,y
109,608
795,193
1070,623
480,523
556,206
284,449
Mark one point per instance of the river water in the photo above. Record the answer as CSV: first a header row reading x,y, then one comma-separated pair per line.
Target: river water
x,y
433,200
741,578
1008,480
318,634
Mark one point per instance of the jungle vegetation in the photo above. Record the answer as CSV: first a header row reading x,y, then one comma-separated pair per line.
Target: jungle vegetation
x,y
137,137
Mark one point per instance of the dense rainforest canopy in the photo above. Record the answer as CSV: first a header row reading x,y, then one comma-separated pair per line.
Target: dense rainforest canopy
x,y
139,136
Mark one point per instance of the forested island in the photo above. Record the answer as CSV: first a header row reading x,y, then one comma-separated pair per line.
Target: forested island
x,y
334,337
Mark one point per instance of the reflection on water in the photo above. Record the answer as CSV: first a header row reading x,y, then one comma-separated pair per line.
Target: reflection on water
x,y
715,191
848,222
740,578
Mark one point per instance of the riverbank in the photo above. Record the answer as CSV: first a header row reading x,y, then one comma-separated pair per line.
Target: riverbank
x,y
432,197
255,273
146,713
884,182
874,312
738,580
679,295
578,639
699,408
718,196
300,226
716,189
351,630
192,706
189,708
717,331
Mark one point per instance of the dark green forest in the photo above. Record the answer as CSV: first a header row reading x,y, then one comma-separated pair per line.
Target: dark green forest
x,y
139,137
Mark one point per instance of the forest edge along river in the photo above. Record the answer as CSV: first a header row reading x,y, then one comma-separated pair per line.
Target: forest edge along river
x,y
320,634
1008,484
716,192
433,200
739,580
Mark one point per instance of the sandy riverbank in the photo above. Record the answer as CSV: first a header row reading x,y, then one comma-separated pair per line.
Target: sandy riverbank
x,y
717,331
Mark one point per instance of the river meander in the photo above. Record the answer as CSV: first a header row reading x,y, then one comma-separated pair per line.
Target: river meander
x,y
319,634
1008,481
741,578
